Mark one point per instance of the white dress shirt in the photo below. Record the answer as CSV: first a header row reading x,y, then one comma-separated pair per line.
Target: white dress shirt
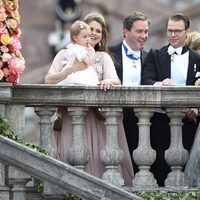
x,y
131,68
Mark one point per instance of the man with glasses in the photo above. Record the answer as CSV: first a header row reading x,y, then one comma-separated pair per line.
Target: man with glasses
x,y
174,64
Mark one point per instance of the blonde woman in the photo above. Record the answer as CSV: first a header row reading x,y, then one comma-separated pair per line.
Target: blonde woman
x,y
95,130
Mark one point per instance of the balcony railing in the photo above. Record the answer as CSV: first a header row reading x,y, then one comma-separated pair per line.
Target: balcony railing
x,y
144,100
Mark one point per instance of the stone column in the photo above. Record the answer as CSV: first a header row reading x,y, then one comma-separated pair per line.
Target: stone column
x,y
5,96
112,155
198,161
2,110
3,187
4,190
176,155
78,155
144,156
17,178
47,140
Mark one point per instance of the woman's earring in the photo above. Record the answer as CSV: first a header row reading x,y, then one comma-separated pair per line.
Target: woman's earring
x,y
99,44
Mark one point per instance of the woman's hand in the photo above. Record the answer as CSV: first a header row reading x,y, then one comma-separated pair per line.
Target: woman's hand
x,y
197,83
105,84
77,66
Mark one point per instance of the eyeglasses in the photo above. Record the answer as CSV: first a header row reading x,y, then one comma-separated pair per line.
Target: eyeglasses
x,y
176,31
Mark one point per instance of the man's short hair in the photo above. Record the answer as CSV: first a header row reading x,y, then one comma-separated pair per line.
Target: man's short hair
x,y
132,17
181,17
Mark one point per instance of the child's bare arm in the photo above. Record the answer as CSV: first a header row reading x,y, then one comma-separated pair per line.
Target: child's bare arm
x,y
90,58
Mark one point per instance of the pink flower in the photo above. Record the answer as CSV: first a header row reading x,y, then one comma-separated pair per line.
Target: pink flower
x,y
16,45
6,57
11,23
12,63
13,77
16,65
3,28
4,49
1,74
3,16
1,64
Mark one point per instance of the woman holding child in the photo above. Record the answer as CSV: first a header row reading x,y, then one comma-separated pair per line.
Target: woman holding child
x,y
95,130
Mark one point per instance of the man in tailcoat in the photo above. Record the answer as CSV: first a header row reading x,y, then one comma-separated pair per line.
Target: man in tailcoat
x,y
128,58
173,64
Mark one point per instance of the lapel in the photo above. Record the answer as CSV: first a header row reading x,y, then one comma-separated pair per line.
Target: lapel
x,y
165,62
118,60
143,57
191,68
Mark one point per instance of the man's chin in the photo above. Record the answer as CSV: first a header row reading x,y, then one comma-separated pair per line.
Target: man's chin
x,y
141,47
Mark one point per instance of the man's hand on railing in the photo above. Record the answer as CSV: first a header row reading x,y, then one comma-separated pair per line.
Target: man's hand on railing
x,y
191,113
197,82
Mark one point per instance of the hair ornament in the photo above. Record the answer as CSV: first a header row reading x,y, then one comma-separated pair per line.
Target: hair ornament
x,y
81,26
195,37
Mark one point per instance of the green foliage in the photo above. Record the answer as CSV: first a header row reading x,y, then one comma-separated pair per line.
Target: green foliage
x,y
164,195
157,195
71,197
6,132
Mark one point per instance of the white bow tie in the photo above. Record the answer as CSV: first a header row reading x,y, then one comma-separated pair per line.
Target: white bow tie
x,y
171,50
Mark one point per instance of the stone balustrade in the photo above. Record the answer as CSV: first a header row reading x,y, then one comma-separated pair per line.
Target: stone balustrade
x,y
144,100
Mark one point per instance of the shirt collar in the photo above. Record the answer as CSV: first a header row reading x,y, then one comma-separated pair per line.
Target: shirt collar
x,y
130,51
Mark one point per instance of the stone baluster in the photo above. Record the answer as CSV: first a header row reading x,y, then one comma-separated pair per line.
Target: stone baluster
x,y
198,164
17,178
144,156
176,155
78,155
112,155
2,110
47,140
4,190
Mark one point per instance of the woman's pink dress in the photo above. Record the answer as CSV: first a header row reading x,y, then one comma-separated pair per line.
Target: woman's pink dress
x,y
95,129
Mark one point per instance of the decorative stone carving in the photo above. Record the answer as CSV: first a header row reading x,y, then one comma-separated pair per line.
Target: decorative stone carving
x,y
17,178
144,156
78,154
112,155
176,155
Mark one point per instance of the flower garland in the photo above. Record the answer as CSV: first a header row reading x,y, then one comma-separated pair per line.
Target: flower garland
x,y
12,64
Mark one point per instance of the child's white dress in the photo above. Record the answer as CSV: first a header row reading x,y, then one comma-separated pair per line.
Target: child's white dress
x,y
87,76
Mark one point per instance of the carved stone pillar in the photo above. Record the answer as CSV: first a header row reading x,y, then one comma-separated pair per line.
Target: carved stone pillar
x,y
176,155
144,156
47,140
198,161
112,155
17,178
78,155
4,190
2,109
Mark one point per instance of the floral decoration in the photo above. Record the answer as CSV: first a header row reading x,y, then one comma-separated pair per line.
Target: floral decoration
x,y
12,63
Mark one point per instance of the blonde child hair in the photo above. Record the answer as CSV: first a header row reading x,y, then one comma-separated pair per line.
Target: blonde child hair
x,y
193,40
76,28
